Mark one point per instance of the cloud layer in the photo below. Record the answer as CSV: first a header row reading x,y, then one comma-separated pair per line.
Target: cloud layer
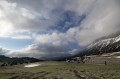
x,y
57,27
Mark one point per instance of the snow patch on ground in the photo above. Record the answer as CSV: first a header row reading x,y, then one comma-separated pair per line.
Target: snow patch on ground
x,y
117,57
32,65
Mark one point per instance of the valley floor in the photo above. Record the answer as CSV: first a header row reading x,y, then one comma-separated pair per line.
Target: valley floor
x,y
62,70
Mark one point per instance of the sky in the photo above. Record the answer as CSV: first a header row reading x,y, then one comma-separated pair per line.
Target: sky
x,y
54,28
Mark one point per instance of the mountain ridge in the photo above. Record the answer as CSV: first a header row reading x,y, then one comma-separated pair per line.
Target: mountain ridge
x,y
106,44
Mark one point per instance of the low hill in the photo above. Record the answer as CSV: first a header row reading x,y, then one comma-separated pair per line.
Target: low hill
x,y
17,60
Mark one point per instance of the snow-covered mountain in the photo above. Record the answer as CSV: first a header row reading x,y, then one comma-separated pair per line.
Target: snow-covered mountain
x,y
106,44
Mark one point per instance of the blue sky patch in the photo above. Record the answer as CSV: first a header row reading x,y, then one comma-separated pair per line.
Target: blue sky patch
x,y
68,20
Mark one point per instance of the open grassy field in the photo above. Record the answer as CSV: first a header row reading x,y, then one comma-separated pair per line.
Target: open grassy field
x,y
62,70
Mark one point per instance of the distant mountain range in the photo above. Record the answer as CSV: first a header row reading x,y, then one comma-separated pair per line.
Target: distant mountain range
x,y
105,44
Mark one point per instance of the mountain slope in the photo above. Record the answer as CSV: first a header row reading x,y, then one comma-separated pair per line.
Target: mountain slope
x,y
106,44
